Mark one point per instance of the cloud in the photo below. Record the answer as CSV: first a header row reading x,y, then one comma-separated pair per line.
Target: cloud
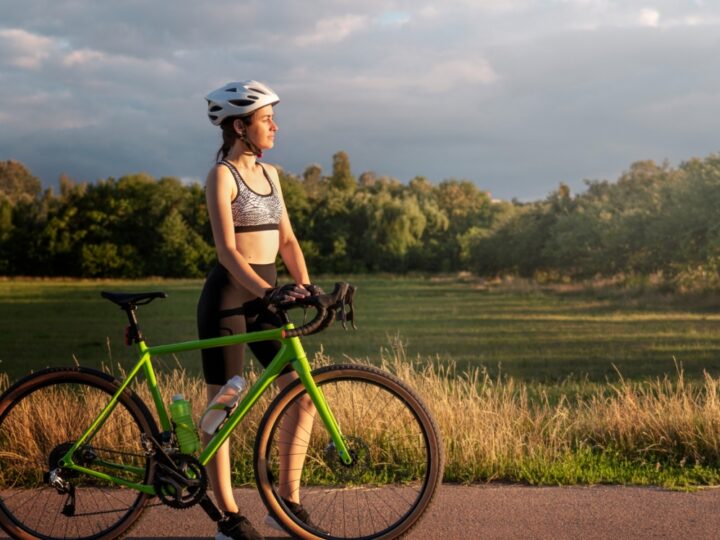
x,y
82,57
514,94
25,49
333,30
649,17
89,58
456,73
31,51
393,18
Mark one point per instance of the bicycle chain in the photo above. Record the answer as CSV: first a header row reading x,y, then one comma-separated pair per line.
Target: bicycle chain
x,y
95,448
169,490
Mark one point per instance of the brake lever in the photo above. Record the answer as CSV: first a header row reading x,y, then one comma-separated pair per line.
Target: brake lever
x,y
351,303
351,309
341,313
346,310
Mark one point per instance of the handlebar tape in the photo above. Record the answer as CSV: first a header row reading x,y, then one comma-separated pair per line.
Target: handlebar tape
x,y
325,306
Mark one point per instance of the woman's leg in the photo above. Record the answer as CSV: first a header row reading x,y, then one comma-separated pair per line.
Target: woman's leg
x,y
293,441
219,468
220,295
297,423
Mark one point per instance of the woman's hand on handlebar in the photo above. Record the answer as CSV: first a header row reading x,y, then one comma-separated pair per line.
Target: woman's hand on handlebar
x,y
314,290
285,293
290,293
340,303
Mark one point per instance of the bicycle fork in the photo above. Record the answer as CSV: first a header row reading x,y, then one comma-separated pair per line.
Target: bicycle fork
x,y
302,367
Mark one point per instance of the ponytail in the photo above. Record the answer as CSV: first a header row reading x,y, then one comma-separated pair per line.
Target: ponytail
x,y
230,136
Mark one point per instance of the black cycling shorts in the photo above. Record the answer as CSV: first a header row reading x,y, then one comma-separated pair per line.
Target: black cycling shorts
x,y
219,366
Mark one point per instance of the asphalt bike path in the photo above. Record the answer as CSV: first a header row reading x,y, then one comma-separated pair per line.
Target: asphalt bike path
x,y
498,511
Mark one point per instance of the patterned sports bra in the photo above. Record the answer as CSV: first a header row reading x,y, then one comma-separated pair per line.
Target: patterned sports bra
x,y
252,211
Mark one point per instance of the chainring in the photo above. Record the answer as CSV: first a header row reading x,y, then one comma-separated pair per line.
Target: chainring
x,y
183,486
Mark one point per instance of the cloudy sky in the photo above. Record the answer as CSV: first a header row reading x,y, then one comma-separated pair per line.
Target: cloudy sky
x,y
515,95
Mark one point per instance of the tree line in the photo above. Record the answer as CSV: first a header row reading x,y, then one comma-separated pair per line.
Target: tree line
x,y
654,219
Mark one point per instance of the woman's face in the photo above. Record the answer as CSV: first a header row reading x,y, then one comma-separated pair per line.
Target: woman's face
x,y
263,128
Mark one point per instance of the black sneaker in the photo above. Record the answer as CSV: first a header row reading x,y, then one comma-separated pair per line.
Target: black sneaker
x,y
236,527
298,510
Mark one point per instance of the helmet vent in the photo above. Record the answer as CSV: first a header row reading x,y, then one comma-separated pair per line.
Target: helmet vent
x,y
241,102
258,90
231,89
216,108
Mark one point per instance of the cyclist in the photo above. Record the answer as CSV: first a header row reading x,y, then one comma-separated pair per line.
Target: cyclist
x,y
250,226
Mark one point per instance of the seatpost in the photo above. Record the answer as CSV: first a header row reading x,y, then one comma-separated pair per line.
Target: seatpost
x,y
132,332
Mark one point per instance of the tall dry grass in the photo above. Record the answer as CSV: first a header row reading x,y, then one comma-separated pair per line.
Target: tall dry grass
x,y
502,429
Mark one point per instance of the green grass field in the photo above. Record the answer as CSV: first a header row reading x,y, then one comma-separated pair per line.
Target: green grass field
x,y
562,415
526,332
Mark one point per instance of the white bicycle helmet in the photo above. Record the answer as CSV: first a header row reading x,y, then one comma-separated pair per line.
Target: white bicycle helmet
x,y
238,99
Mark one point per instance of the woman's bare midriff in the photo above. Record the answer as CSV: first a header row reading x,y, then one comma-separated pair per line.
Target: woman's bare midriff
x,y
258,247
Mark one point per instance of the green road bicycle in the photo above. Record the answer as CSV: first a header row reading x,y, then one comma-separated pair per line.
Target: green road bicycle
x,y
81,454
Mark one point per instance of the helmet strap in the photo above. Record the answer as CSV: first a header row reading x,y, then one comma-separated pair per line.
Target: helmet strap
x,y
242,135
250,145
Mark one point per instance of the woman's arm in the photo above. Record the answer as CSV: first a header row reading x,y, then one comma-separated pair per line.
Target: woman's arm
x,y
220,190
290,250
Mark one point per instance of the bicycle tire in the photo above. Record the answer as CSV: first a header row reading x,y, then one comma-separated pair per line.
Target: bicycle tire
x,y
40,416
396,444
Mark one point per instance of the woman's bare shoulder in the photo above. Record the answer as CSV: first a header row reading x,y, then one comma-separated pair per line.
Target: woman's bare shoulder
x,y
271,169
218,177
272,172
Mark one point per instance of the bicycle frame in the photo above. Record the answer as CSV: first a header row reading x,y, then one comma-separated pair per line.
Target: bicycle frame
x,y
291,352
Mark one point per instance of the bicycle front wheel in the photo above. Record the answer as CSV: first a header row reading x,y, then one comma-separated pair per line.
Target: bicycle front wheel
x,y
396,449
41,416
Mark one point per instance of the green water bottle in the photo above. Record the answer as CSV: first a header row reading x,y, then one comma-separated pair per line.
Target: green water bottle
x,y
184,428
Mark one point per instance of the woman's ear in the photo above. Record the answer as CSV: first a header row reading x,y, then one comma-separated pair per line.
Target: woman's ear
x,y
239,126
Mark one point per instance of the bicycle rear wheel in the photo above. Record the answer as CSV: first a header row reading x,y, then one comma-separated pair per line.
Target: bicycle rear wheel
x,y
395,444
41,416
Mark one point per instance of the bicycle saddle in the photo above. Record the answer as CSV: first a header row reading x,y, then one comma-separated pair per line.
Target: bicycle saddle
x,y
132,299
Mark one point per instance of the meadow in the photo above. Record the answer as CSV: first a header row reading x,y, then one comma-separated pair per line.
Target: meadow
x,y
528,332
543,385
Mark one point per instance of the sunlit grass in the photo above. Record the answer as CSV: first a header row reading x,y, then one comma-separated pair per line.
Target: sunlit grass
x,y
664,431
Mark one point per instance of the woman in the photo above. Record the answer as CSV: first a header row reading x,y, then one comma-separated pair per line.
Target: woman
x,y
250,227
